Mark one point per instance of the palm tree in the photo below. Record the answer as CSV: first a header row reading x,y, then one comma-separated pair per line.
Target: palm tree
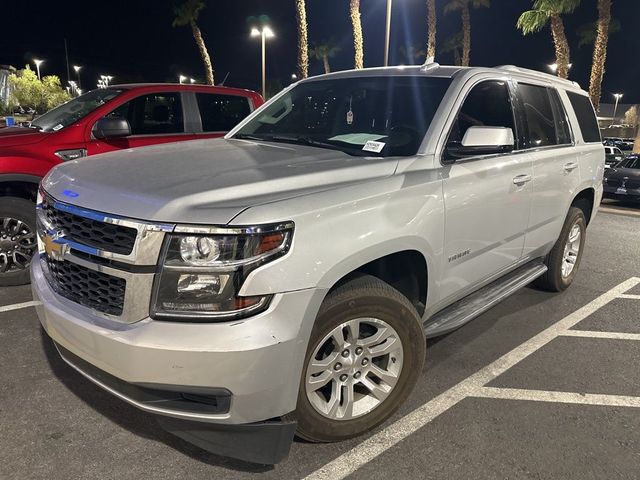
x,y
431,28
186,14
551,11
600,52
324,51
453,44
303,43
464,6
358,42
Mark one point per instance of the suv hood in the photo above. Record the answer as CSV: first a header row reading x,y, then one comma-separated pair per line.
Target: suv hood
x,y
205,181
18,136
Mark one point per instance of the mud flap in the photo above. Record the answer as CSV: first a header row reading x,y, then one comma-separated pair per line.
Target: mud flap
x,y
265,442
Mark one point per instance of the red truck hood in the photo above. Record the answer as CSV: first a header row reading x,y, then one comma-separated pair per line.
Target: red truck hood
x,y
16,136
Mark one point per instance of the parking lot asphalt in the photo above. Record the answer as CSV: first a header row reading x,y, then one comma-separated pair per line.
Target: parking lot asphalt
x,y
542,386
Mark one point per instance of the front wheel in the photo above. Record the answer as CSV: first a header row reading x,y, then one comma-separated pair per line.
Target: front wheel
x,y
564,259
17,240
364,357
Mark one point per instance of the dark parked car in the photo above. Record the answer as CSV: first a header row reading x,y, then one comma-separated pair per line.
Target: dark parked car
x,y
622,182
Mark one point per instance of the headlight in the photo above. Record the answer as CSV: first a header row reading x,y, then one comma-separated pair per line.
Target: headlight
x,y
202,273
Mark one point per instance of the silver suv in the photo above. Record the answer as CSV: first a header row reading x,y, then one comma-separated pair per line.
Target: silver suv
x,y
283,279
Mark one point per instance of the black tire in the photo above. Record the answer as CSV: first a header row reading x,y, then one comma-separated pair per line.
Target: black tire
x,y
553,280
363,297
25,211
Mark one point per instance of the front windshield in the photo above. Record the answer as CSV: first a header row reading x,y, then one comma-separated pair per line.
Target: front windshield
x,y
379,116
74,110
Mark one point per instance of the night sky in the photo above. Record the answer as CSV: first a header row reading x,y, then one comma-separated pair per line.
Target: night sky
x,y
134,40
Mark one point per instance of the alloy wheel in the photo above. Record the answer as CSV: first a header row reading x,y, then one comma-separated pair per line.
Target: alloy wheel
x,y
354,368
571,250
17,245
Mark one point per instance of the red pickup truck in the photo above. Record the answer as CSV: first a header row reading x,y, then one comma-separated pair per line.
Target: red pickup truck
x,y
121,116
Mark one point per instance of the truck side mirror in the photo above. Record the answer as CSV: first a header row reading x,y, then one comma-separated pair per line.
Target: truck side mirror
x,y
481,141
111,128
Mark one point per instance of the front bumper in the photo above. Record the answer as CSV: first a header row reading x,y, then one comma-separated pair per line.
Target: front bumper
x,y
257,360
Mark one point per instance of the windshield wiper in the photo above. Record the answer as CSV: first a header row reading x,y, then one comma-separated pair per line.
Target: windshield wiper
x,y
304,140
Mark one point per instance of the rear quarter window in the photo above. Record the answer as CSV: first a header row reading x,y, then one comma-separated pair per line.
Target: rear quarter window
x,y
586,115
220,113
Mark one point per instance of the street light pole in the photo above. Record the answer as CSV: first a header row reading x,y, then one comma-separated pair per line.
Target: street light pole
x,y
264,65
615,109
388,34
264,33
38,63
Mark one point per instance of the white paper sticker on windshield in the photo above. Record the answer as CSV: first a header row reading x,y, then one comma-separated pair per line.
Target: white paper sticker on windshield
x,y
372,146
57,127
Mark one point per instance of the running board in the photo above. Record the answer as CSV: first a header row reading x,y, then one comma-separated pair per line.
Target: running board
x,y
459,313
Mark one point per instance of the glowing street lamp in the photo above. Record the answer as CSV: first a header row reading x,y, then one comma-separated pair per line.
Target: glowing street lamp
x,y
38,63
617,96
554,67
182,78
192,80
77,68
265,33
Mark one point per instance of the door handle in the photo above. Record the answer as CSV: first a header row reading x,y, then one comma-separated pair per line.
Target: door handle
x,y
521,179
571,166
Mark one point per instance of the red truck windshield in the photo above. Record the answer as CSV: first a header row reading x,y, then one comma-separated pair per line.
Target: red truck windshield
x,y
74,110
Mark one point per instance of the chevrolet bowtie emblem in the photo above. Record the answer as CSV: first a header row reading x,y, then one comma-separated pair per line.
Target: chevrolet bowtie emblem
x,y
55,250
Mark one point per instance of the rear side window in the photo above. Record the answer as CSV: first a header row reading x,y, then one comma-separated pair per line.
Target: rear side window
x,y
487,105
538,113
220,113
153,114
563,131
586,117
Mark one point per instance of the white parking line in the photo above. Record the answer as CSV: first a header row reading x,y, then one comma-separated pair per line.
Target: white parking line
x,y
361,454
558,397
593,334
18,306
632,297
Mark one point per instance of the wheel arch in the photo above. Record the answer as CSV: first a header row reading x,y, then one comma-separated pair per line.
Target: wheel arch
x,y
585,201
406,270
19,185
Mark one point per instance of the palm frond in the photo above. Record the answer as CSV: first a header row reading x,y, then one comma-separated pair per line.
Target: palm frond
x,y
533,21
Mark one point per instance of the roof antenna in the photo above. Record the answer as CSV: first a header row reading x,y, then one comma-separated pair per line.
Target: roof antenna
x,y
429,64
224,80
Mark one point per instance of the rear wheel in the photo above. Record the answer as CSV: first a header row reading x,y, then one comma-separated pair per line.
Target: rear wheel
x,y
17,240
564,259
365,354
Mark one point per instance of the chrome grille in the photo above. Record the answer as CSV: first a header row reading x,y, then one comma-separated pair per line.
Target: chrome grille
x,y
89,288
88,231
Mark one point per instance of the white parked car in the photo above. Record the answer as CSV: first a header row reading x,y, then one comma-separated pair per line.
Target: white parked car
x,y
283,279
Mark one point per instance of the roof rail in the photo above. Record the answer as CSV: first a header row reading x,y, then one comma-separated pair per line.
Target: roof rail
x,y
536,73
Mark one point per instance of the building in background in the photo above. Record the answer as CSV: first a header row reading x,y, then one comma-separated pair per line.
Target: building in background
x,y
621,122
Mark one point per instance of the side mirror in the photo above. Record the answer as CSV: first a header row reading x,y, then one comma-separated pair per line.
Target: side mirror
x,y
111,128
482,141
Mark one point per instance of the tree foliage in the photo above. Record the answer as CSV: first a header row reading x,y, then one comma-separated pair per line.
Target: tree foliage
x,y
29,92
588,32
538,17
